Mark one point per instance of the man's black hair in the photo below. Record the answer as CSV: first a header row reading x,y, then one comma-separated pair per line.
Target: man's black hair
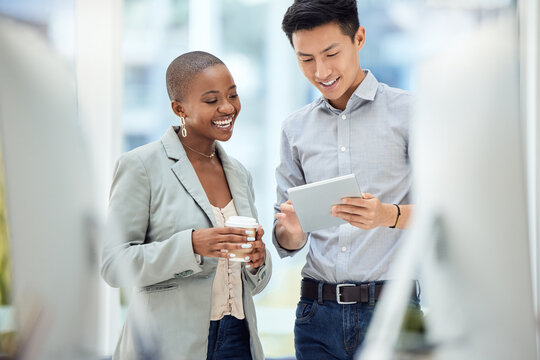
x,y
183,69
308,14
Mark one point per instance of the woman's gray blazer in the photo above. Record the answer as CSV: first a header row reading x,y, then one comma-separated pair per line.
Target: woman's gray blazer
x,y
156,202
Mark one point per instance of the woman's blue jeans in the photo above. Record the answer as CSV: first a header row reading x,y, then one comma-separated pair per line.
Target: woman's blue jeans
x,y
228,339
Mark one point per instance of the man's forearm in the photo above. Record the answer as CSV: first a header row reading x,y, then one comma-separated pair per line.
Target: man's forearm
x,y
289,241
405,213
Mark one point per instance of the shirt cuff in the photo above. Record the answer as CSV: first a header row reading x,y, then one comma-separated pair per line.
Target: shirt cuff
x,y
258,273
199,259
282,252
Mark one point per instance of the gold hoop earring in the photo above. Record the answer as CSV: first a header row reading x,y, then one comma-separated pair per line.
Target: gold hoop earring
x,y
183,126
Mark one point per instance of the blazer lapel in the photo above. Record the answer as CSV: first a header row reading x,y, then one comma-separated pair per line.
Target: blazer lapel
x,y
185,173
238,183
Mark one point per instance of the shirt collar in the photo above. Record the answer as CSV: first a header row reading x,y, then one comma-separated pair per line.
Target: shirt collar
x,y
368,87
366,90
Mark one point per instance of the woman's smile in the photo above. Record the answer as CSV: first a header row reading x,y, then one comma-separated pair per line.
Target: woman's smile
x,y
224,122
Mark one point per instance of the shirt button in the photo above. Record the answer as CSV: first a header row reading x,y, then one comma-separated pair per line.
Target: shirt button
x,y
230,271
343,148
230,286
344,117
344,249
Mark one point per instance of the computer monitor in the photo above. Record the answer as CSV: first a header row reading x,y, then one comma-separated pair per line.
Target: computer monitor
x,y
469,237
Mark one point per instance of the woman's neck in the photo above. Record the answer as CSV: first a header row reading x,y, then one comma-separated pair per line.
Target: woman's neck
x,y
198,146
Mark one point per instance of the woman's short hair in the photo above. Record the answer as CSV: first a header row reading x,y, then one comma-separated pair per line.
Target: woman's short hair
x,y
184,68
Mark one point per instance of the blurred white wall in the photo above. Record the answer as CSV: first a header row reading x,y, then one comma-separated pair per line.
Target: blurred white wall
x,y
529,12
99,90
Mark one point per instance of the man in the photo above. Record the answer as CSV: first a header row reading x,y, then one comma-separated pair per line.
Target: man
x,y
358,126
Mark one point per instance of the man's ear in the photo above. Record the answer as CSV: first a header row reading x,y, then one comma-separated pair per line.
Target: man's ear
x,y
178,108
360,37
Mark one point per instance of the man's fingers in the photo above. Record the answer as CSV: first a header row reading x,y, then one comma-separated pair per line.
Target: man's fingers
x,y
347,217
358,221
281,217
351,209
354,218
343,211
355,201
286,207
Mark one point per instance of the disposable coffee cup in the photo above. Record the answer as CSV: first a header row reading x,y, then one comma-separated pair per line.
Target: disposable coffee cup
x,y
250,225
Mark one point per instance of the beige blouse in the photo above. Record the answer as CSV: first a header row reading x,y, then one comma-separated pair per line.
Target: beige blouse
x,y
227,287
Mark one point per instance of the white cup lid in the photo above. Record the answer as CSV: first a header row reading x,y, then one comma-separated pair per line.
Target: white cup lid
x,y
241,221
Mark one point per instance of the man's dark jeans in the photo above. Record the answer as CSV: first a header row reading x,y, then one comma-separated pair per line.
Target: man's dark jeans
x,y
331,330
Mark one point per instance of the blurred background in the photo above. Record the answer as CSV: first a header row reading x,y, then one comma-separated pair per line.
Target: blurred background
x,y
117,52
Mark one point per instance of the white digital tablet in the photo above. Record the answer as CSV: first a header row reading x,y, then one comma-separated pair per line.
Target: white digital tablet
x,y
313,202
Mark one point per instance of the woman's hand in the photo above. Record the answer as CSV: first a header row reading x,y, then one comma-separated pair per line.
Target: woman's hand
x,y
210,242
258,255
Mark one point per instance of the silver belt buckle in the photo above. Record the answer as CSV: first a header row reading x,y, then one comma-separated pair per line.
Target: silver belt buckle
x,y
338,294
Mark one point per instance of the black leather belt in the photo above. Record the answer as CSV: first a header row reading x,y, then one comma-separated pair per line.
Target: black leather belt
x,y
343,293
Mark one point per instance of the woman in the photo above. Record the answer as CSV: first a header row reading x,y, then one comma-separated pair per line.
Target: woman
x,y
168,205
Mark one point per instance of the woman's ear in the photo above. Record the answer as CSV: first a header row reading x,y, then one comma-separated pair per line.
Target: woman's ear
x,y
178,108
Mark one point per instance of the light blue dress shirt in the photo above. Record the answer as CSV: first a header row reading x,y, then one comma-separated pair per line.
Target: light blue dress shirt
x,y
370,138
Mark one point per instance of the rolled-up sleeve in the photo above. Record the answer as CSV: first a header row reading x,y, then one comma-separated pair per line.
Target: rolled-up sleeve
x,y
288,174
260,278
